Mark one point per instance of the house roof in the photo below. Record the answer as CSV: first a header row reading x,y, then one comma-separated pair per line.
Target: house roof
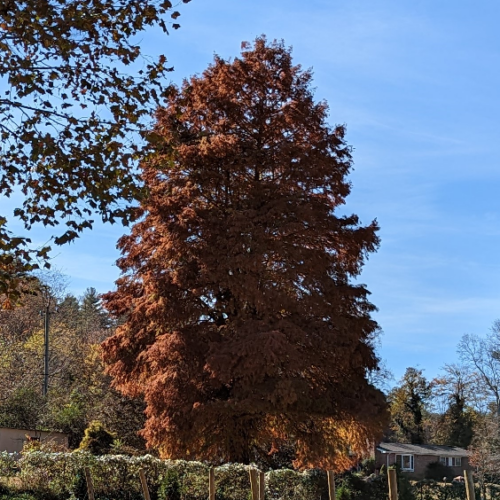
x,y
422,449
27,431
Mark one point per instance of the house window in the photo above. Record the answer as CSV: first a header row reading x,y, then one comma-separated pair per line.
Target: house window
x,y
407,462
451,461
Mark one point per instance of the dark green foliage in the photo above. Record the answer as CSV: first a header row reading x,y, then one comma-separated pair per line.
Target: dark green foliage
x,y
437,471
316,482
368,466
375,489
231,485
18,496
289,484
344,493
357,487
93,314
79,487
460,423
405,489
53,476
170,486
456,388
22,408
408,407
97,439
432,490
362,488
70,418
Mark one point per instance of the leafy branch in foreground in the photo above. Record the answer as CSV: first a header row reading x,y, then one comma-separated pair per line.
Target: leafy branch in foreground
x,y
72,114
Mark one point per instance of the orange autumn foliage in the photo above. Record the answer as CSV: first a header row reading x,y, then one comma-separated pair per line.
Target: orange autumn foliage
x,y
243,327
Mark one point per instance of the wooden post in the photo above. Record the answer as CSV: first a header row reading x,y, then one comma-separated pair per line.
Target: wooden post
x,y
144,484
211,484
393,484
254,483
90,484
262,486
331,485
469,485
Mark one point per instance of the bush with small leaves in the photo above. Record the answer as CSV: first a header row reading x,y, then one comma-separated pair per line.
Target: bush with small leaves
x,y
344,493
8,464
97,439
170,487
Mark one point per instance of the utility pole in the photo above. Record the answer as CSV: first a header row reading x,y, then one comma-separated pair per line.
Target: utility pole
x,y
46,324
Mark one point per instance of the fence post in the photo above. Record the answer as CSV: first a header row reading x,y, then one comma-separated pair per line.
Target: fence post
x,y
393,484
254,483
144,484
469,485
211,484
90,484
331,485
262,486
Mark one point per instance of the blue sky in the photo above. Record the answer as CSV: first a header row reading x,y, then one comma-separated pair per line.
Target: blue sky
x,y
417,84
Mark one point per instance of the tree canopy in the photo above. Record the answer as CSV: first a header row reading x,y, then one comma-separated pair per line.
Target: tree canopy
x,y
67,110
482,356
243,329
408,407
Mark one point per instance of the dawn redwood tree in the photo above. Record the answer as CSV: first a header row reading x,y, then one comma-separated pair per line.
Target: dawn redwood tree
x,y
243,329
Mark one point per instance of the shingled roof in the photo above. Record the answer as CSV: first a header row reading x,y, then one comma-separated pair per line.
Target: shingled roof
x,y
422,449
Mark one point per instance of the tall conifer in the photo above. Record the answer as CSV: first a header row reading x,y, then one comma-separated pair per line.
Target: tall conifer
x,y
243,326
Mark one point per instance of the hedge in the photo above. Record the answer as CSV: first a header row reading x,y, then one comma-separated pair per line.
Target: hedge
x,y
61,475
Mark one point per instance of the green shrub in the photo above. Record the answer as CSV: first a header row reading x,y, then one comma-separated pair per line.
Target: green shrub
x,y
377,488
17,496
232,482
79,486
4,490
60,475
286,484
115,477
8,464
170,486
428,489
437,471
194,479
344,492
368,466
97,439
315,482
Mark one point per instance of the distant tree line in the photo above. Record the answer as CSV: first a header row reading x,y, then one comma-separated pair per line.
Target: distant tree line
x,y
79,391
460,407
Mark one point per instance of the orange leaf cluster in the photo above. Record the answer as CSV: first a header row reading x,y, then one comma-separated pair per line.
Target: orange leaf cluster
x,y
243,327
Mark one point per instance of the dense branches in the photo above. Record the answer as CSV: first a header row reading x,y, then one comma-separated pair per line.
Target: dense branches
x,y
482,356
243,327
